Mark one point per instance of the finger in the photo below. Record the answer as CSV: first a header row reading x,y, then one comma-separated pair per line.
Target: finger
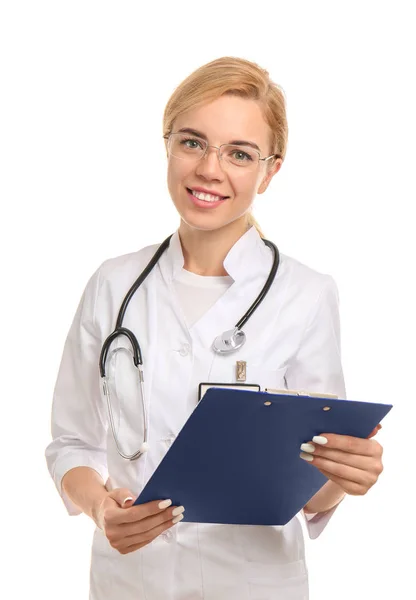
x,y
352,474
132,548
154,532
124,535
374,432
366,463
134,542
347,443
123,496
351,487
149,523
142,511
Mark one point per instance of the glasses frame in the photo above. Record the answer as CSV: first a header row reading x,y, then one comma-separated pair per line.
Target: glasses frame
x,y
218,148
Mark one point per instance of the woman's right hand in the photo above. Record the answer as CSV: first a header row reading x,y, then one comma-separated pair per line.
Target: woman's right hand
x,y
129,528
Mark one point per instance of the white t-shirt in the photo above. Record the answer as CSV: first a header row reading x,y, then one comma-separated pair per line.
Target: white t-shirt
x,y
197,293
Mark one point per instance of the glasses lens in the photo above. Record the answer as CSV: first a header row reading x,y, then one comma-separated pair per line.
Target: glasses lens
x,y
243,157
126,399
186,146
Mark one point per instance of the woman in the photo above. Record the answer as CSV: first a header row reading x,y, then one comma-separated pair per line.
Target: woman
x,y
226,134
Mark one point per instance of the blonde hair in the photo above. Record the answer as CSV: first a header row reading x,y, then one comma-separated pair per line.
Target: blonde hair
x,y
239,77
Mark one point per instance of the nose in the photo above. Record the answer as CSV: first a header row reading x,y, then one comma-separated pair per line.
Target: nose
x,y
210,165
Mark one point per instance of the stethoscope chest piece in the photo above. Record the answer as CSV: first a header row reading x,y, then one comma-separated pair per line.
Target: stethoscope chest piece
x,y
229,341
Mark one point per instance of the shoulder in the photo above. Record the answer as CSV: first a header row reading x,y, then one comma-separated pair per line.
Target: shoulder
x,y
303,277
117,274
306,289
119,268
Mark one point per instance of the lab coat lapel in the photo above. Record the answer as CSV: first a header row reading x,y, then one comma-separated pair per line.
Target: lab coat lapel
x,y
248,262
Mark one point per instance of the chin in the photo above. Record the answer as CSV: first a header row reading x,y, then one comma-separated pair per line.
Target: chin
x,y
203,223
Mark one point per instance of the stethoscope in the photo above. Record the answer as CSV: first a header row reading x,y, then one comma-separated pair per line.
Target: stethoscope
x,y
226,343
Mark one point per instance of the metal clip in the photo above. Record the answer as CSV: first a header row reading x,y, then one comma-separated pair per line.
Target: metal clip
x,y
241,370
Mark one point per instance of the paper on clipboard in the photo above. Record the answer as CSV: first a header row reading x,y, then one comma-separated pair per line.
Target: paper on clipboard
x,y
300,393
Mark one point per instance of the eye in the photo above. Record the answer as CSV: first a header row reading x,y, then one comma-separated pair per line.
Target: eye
x,y
242,156
239,156
191,143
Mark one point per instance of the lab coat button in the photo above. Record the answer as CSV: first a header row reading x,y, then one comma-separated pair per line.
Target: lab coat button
x,y
167,536
185,350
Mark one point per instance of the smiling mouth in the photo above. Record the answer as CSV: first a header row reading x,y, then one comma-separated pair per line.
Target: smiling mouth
x,y
206,197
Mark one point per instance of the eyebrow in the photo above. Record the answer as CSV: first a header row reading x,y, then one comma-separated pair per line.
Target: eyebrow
x,y
204,137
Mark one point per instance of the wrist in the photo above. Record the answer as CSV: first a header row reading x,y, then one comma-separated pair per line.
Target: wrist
x,y
95,511
329,496
86,489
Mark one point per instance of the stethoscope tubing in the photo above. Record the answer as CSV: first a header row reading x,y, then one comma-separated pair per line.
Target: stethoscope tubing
x,y
137,354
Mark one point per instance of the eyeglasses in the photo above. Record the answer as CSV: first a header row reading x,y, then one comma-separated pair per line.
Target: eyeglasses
x,y
191,148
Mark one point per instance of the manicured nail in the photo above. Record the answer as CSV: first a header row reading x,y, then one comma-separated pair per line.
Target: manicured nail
x,y
177,519
177,511
128,499
306,456
164,504
308,447
320,439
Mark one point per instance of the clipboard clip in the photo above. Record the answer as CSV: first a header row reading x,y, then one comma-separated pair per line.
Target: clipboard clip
x,y
302,393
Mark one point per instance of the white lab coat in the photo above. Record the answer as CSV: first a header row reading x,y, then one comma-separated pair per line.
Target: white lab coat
x,y
293,341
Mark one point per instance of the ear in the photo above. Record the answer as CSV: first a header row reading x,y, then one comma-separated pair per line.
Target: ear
x,y
269,175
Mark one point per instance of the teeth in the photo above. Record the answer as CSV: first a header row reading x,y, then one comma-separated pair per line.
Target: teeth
x,y
206,197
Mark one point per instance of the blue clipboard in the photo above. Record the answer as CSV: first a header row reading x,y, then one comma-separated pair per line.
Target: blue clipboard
x,y
236,459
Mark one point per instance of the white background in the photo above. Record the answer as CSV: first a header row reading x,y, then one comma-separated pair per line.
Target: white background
x,y
84,85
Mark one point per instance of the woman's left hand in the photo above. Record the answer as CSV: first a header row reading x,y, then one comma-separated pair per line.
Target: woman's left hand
x,y
352,463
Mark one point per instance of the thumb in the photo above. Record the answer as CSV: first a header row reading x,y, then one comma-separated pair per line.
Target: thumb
x,y
375,431
123,496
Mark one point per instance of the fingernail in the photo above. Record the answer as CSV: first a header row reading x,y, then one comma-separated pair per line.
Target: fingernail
x,y
306,456
308,447
177,519
164,504
177,511
128,499
320,439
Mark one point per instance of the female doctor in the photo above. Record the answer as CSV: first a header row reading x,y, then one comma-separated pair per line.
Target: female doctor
x,y
225,130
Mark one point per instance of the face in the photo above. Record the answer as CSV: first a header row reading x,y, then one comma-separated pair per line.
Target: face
x,y
225,120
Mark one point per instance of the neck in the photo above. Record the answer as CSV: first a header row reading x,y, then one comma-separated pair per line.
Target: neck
x,y
204,252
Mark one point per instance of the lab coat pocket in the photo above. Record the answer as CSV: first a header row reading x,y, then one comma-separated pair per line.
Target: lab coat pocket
x,y
114,575
266,378
289,582
274,561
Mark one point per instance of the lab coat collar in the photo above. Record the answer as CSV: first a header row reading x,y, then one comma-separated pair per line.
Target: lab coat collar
x,y
247,257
